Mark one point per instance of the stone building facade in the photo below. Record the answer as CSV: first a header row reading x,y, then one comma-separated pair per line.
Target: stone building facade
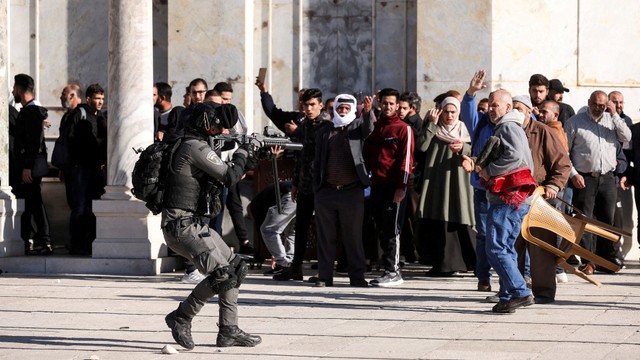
x,y
355,46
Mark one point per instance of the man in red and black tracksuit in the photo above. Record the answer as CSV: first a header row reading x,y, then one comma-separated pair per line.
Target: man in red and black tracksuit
x,y
389,156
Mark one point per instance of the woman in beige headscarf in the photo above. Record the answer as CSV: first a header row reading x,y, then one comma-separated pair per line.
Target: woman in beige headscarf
x,y
445,212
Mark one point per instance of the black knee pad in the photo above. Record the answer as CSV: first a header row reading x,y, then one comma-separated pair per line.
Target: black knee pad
x,y
221,281
240,270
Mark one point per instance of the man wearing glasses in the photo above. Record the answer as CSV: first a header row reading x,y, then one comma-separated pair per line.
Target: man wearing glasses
x,y
592,137
197,90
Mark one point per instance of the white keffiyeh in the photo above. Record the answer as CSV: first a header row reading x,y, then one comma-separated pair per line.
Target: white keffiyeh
x,y
338,120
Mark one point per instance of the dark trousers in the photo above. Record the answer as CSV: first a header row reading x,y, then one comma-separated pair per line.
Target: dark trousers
x,y
34,223
208,252
304,214
636,196
67,184
543,263
410,203
598,199
85,186
340,211
623,217
369,233
387,216
234,205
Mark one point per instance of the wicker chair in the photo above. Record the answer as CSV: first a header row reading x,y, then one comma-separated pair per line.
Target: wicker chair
x,y
545,216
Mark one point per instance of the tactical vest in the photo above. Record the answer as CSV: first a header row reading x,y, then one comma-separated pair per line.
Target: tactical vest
x,y
181,192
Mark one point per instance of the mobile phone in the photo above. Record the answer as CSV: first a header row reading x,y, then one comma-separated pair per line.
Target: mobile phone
x,y
262,73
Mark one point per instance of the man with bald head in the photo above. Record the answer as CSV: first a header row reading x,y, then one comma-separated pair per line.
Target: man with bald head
x,y
507,207
592,138
70,98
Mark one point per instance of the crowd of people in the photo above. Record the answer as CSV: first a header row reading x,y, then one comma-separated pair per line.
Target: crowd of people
x,y
81,161
413,186
382,185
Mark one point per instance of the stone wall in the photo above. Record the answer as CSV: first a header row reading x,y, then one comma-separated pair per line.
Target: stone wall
x,y
588,45
339,45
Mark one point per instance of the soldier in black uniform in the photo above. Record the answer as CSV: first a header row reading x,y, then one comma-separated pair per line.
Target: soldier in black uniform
x,y
195,177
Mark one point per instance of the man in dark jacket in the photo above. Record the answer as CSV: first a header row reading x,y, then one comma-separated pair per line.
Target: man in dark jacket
x,y
87,159
302,192
70,98
286,121
31,160
409,112
339,179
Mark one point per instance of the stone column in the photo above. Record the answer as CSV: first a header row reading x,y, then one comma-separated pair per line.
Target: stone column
x,y
10,209
126,231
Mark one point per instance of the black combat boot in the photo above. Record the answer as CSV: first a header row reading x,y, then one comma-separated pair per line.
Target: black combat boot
x,y
231,335
180,326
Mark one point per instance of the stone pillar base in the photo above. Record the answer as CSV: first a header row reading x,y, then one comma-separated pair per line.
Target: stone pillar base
x,y
85,265
126,230
11,244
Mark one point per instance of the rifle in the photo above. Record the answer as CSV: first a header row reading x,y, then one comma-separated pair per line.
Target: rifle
x,y
260,141
264,142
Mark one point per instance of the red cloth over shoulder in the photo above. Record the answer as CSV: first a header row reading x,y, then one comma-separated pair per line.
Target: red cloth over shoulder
x,y
513,187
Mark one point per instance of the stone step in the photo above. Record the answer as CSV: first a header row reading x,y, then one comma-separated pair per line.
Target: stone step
x,y
65,264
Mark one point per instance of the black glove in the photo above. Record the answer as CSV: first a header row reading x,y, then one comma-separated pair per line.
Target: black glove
x,y
264,154
252,162
250,149
248,159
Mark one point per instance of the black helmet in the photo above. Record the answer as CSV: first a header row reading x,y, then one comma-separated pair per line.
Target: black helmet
x,y
209,114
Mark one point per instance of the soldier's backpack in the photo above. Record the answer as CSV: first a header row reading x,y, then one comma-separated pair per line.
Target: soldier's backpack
x,y
149,173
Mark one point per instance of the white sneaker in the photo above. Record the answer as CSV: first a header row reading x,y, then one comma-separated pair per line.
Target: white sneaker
x,y
193,277
562,278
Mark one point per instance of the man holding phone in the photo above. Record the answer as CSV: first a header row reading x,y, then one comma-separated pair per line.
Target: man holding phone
x,y
592,138
286,121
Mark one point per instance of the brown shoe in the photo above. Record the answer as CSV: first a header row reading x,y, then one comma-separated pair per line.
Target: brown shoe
x,y
484,285
587,268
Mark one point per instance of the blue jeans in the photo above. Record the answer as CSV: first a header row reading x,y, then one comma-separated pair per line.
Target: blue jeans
x,y
503,226
480,207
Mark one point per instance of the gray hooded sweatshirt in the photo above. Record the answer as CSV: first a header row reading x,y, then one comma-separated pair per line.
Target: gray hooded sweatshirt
x,y
516,154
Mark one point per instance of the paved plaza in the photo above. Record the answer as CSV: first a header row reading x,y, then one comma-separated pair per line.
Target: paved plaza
x,y
122,317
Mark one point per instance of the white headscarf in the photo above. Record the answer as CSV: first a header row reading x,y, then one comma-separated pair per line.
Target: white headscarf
x,y
338,120
457,130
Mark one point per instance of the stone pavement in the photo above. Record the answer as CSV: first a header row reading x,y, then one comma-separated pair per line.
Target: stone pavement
x,y
122,317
